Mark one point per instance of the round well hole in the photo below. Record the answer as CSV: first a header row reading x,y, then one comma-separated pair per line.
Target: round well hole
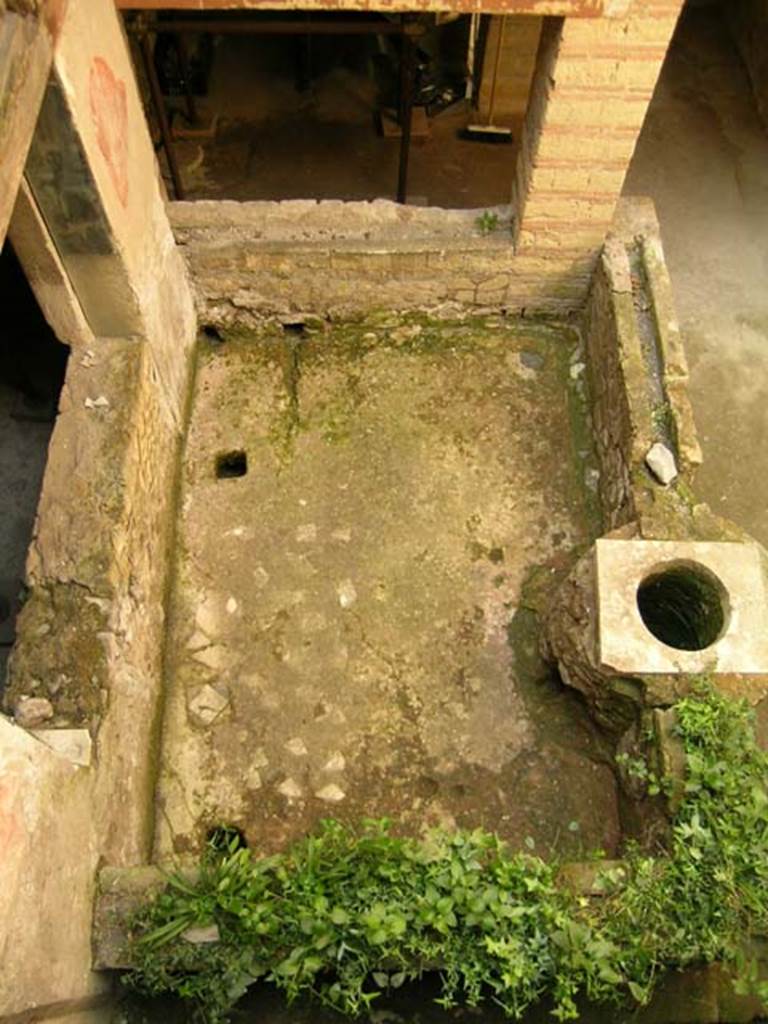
x,y
684,605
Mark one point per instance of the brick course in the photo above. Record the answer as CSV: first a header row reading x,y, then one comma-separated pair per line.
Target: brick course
x,y
593,82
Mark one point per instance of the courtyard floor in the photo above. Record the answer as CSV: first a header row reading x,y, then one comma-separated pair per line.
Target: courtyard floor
x,y
351,635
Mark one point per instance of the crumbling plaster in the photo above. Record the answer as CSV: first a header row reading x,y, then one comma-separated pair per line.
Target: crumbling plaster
x,y
26,52
97,567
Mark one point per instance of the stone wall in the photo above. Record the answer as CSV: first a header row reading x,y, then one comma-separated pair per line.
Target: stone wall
x,y
76,766
591,87
636,365
612,355
592,82
89,643
638,377
49,851
256,259
748,21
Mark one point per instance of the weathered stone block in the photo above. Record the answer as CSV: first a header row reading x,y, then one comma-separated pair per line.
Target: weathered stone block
x,y
626,645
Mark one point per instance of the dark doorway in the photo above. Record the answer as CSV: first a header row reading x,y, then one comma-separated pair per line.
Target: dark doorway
x,y
32,367
260,113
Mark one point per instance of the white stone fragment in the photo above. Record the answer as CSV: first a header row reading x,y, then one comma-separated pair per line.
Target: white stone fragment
x,y
576,370
335,763
73,744
208,614
297,747
306,533
331,794
31,711
207,705
661,463
214,657
347,593
290,789
343,534
197,641
200,935
97,403
231,606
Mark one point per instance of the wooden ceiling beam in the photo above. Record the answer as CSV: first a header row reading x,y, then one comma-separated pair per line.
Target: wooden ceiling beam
x,y
563,8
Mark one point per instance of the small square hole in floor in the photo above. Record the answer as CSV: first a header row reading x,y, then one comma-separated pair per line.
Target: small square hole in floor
x,y
231,464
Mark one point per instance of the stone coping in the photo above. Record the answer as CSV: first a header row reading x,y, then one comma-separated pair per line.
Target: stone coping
x,y
367,225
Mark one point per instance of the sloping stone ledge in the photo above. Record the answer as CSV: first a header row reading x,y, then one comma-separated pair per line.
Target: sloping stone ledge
x,y
637,372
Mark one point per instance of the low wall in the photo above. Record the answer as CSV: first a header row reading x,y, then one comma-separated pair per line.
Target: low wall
x,y
636,366
638,378
258,259
89,648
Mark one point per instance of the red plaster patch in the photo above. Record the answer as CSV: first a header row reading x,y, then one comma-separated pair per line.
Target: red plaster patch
x,y
109,110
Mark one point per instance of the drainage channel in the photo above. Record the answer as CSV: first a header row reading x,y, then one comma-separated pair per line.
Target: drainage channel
x,y
649,343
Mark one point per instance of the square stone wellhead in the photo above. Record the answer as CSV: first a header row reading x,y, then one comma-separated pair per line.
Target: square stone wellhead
x,y
681,607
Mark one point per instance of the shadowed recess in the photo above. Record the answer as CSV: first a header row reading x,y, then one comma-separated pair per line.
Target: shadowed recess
x,y
684,605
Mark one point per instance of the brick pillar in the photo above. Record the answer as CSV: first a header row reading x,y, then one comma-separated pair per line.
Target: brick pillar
x,y
593,82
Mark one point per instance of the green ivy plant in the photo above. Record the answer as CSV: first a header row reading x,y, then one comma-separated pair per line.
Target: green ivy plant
x,y
351,913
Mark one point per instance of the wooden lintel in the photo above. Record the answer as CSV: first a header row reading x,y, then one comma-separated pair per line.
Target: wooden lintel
x,y
563,8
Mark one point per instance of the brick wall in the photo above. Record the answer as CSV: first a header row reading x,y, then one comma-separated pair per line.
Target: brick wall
x,y
591,88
